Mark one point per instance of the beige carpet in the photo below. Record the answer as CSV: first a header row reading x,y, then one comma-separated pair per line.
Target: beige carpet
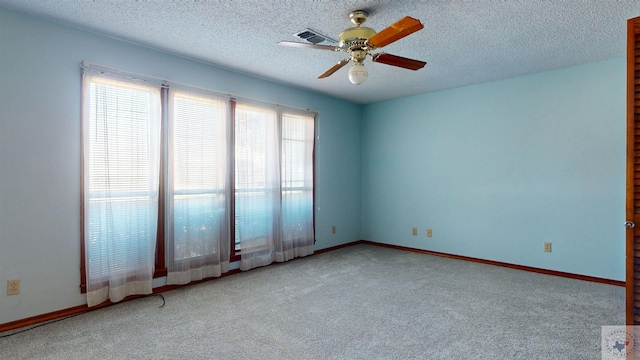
x,y
360,302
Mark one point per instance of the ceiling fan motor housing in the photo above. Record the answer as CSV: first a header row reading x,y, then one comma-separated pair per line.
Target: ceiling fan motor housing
x,y
355,37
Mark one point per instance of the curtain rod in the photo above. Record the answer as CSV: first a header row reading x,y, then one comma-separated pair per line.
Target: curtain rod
x,y
89,65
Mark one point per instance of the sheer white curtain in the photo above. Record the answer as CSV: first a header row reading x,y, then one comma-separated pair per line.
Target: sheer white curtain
x,y
257,183
198,199
297,185
121,147
273,184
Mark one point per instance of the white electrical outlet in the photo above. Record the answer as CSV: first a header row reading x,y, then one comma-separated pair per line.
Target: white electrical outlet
x,y
13,287
547,247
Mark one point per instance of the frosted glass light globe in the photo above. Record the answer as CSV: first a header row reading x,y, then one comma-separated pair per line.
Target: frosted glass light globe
x,y
358,74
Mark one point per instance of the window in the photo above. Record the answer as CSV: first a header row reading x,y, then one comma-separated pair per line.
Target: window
x,y
198,204
274,184
297,178
190,179
121,141
257,192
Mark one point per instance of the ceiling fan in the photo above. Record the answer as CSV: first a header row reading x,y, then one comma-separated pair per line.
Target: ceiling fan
x,y
359,41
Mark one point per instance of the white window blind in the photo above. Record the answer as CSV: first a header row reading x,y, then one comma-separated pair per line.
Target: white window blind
x,y
126,123
257,190
121,127
297,183
198,208
274,184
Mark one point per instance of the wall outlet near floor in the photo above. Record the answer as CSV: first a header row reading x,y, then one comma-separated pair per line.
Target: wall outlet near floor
x,y
429,233
414,231
333,229
13,287
547,247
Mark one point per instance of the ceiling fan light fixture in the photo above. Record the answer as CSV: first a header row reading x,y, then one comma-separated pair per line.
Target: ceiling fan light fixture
x,y
358,73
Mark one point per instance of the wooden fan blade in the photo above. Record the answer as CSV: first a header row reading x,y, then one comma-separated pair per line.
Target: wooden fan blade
x,y
309,46
399,61
335,68
397,31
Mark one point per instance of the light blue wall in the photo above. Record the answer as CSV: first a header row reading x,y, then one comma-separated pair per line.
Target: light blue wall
x,y
40,152
497,169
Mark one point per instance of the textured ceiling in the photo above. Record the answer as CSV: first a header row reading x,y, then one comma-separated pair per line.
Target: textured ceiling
x,y
463,42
